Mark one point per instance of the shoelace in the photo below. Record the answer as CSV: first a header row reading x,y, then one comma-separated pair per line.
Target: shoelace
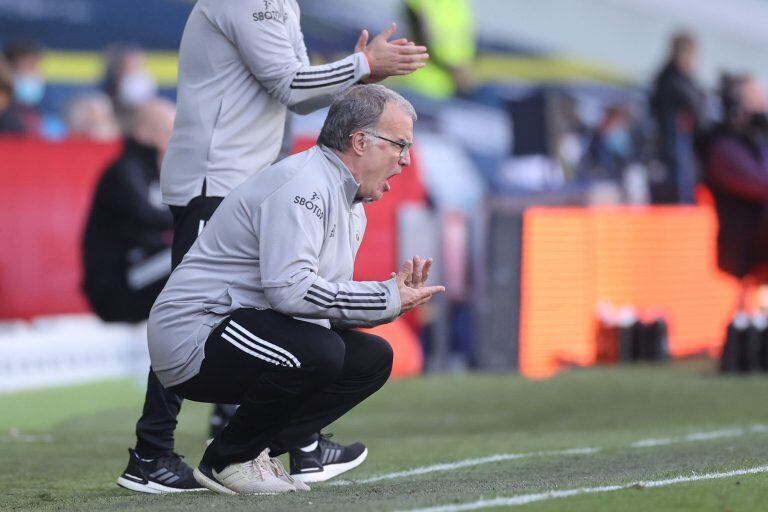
x,y
267,464
254,467
277,468
173,462
325,440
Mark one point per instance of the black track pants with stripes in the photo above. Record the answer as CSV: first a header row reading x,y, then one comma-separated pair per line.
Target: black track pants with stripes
x,y
291,379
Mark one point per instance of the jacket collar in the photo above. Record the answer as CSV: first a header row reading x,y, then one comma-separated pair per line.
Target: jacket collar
x,y
347,180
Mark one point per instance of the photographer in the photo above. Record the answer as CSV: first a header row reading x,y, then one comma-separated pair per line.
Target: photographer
x,y
735,161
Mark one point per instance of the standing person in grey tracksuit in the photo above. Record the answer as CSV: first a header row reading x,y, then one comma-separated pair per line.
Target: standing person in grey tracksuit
x,y
259,312
242,65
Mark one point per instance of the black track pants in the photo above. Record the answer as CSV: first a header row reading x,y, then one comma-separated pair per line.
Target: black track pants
x,y
291,379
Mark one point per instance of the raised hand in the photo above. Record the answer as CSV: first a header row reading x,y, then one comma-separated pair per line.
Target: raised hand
x,y
410,283
420,272
388,58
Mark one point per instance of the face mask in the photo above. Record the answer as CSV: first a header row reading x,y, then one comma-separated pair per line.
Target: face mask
x,y
619,141
136,88
28,89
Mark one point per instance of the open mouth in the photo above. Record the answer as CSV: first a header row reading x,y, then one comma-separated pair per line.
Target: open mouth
x,y
387,187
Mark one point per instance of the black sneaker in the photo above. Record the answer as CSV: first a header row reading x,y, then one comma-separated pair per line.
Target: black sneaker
x,y
326,461
163,474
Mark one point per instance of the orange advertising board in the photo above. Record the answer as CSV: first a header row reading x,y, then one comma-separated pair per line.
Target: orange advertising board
x,y
656,259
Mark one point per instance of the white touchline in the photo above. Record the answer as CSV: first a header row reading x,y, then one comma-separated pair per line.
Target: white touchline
x,y
524,499
467,463
643,443
701,436
17,436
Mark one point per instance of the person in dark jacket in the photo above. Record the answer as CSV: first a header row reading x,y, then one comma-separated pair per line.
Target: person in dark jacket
x,y
677,105
128,235
735,160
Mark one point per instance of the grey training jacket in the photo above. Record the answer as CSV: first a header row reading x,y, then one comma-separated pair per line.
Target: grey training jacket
x,y
286,240
242,63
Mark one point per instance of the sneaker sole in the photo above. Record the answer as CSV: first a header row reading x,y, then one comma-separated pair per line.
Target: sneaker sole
x,y
151,487
210,483
331,470
215,486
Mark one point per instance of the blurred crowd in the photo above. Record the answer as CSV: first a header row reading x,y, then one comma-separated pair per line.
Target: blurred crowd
x,y
662,135
97,113
669,141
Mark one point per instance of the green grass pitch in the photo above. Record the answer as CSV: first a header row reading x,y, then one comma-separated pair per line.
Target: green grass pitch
x,y
62,449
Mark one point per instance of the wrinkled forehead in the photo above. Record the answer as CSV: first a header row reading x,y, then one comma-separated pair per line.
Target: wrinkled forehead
x,y
396,122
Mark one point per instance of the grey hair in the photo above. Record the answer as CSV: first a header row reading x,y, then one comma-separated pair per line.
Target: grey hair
x,y
358,109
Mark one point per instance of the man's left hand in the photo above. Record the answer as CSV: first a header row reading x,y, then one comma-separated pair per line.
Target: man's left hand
x,y
420,273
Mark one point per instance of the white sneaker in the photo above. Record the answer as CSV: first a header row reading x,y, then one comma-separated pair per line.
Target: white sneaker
x,y
255,476
282,474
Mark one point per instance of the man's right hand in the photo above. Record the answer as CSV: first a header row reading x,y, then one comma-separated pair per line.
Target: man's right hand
x,y
388,58
410,283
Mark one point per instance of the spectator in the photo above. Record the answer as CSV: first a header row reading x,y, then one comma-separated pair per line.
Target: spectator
x,y
612,147
128,81
91,116
24,58
9,121
677,104
735,158
127,238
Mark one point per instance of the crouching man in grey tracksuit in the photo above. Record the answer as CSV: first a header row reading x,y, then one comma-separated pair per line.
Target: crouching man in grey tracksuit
x,y
260,310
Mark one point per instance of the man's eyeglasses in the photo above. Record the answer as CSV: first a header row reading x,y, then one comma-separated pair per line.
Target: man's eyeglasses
x,y
405,147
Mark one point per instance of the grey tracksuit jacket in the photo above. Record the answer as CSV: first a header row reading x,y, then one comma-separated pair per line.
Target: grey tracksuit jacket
x,y
242,64
286,240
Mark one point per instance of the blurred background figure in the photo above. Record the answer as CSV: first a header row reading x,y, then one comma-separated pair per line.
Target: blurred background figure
x,y
677,106
446,27
612,147
127,255
24,58
91,116
9,121
735,161
127,80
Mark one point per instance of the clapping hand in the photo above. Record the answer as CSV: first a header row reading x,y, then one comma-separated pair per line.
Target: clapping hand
x,y
410,283
388,58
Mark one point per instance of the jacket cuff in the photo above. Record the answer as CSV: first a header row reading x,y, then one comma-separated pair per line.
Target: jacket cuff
x,y
393,305
364,66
